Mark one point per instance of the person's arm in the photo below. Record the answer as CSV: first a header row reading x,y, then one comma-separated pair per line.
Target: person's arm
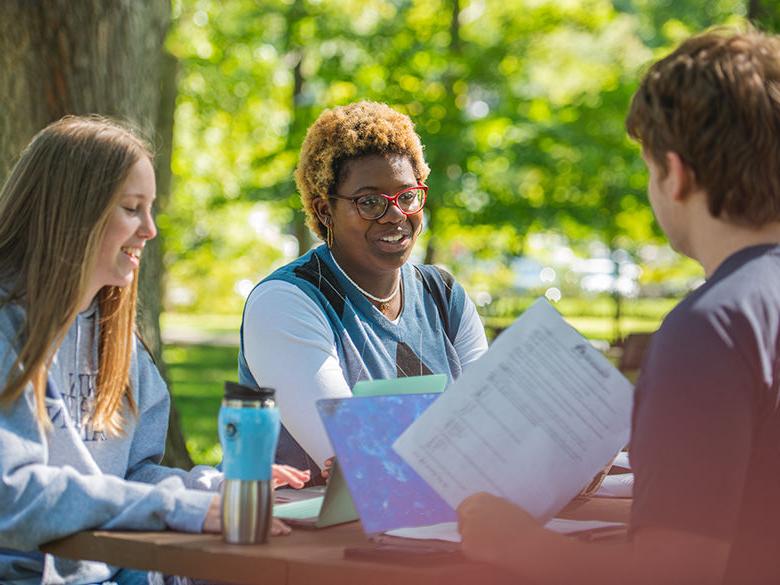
x,y
289,346
150,429
497,532
39,502
690,446
470,341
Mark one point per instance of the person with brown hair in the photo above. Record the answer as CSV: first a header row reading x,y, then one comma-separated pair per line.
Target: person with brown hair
x,y
705,446
354,308
83,409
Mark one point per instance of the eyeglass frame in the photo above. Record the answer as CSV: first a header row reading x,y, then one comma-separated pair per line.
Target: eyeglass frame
x,y
391,199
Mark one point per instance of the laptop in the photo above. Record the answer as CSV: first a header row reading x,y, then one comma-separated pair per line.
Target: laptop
x,y
401,514
318,506
388,494
323,506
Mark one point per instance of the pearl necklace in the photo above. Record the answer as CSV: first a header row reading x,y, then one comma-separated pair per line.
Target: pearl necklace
x,y
383,303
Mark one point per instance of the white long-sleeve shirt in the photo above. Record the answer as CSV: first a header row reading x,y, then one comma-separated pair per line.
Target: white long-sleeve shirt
x,y
290,346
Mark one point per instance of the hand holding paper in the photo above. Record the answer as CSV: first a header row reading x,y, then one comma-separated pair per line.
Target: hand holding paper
x,y
531,421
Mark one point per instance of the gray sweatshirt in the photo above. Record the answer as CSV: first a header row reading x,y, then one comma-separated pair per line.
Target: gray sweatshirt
x,y
74,478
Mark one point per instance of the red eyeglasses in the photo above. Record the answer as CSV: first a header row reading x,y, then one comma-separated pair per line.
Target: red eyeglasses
x,y
373,206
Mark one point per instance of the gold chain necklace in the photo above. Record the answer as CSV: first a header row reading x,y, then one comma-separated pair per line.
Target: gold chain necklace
x,y
383,303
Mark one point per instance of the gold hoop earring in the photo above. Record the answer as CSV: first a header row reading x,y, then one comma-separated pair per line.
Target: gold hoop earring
x,y
328,235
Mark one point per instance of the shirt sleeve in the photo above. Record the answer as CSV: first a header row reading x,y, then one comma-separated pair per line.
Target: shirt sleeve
x,y
692,430
289,346
148,444
470,341
41,502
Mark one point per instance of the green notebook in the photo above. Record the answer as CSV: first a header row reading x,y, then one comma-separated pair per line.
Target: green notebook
x,y
431,384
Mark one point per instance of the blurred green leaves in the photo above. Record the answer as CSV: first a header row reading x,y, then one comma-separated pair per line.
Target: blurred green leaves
x,y
520,105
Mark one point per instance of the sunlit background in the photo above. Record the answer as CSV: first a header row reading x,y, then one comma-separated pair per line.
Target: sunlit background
x,y
535,188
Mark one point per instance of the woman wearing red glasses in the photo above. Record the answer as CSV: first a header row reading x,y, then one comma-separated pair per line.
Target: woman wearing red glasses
x,y
354,308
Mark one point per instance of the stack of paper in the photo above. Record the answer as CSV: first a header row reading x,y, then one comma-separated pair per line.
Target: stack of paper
x,y
532,421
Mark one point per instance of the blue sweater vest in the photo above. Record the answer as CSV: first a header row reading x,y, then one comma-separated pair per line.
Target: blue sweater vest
x,y
368,345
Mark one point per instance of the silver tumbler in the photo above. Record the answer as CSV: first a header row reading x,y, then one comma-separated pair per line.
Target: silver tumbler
x,y
247,508
249,431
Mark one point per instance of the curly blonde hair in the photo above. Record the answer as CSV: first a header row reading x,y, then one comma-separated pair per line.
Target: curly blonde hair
x,y
348,132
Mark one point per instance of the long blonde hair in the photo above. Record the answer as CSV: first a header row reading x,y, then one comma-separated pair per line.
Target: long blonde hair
x,y
54,210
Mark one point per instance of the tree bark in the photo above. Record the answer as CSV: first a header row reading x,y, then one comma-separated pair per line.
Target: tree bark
x,y
755,11
152,275
294,55
61,57
20,116
300,229
444,158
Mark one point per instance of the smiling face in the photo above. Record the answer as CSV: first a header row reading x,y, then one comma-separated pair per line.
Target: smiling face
x,y
130,226
371,251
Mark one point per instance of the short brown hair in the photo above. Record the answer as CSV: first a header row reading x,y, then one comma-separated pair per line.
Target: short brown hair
x,y
715,101
349,132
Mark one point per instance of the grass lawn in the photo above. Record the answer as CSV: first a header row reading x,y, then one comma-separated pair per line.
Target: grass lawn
x,y
593,317
197,373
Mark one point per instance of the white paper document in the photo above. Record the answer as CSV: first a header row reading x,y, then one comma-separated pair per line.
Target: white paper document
x,y
533,420
448,531
616,486
622,460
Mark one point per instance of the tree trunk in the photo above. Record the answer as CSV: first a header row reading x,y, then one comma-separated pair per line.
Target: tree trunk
x,y
755,11
20,116
294,55
61,57
444,158
153,270
300,229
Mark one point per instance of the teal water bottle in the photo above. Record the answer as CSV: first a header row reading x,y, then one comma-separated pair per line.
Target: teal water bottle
x,y
249,431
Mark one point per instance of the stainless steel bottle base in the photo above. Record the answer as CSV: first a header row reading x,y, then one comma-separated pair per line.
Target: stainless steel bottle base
x,y
246,511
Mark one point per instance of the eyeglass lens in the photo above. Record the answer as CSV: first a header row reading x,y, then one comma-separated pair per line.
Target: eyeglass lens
x,y
374,206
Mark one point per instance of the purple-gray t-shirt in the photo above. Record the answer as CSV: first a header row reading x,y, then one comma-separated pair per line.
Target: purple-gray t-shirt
x,y
705,447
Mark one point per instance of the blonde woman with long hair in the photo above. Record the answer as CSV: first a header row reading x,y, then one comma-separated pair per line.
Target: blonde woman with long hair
x,y
83,409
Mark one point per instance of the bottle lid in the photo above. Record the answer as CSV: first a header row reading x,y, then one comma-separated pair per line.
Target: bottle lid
x,y
236,391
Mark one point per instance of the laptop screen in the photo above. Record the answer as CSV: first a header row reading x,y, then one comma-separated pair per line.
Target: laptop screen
x,y
387,493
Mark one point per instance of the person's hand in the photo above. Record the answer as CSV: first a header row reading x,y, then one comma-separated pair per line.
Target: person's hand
x,y
287,475
491,528
279,528
327,467
213,520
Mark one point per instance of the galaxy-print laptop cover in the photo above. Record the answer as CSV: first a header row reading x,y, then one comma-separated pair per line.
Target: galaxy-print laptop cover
x,y
387,493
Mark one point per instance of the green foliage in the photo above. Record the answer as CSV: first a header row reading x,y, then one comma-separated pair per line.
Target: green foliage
x,y
520,106
198,372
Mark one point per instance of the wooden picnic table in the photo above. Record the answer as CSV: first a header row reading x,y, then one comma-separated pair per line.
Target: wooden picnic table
x,y
304,557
